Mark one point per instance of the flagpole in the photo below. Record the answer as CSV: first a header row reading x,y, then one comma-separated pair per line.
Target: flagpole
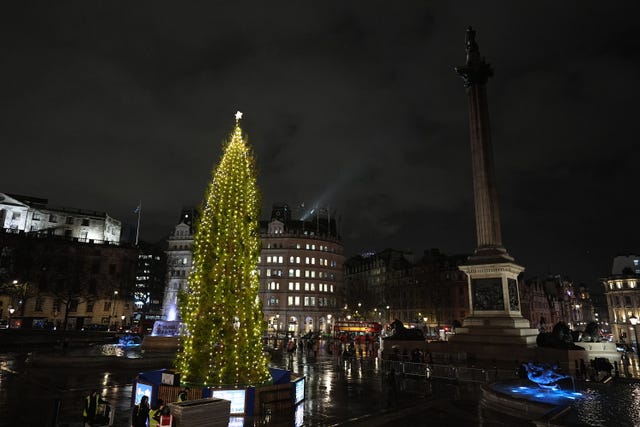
x,y
138,226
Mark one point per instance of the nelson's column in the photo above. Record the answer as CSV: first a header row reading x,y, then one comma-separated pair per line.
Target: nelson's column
x,y
495,328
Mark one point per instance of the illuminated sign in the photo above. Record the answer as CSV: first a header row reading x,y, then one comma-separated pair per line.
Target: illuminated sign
x,y
236,397
164,328
299,391
142,390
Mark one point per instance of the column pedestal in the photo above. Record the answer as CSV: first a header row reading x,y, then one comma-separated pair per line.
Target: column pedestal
x,y
495,329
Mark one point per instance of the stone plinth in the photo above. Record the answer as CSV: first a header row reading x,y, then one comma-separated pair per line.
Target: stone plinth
x,y
495,330
201,412
387,344
567,359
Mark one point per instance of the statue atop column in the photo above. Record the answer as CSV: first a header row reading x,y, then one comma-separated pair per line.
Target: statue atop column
x,y
476,70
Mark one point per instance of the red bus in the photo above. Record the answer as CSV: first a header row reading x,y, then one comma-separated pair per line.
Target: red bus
x,y
357,327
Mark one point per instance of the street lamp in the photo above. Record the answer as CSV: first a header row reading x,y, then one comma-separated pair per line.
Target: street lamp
x,y
122,318
11,311
113,310
634,321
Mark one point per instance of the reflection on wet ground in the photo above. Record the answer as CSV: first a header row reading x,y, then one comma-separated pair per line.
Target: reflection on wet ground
x,y
337,393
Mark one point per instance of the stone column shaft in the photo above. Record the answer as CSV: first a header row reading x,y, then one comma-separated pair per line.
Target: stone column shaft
x,y
488,230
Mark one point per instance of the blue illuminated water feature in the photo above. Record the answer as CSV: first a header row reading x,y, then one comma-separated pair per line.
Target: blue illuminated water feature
x,y
539,394
594,404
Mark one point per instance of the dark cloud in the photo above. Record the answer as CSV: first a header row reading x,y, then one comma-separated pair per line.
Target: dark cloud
x,y
352,105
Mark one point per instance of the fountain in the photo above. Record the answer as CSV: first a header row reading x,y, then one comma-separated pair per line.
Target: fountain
x,y
545,389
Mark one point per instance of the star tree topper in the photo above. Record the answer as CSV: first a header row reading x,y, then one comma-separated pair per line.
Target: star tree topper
x,y
238,115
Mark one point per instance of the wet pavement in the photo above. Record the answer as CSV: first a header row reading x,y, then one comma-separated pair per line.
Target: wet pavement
x,y
337,392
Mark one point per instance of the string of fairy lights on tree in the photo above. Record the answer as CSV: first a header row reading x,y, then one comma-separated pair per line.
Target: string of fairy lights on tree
x,y
221,309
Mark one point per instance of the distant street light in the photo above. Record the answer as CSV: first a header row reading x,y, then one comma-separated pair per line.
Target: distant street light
x,y
634,321
11,311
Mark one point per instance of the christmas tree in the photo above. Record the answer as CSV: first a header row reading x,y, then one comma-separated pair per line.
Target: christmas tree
x,y
221,309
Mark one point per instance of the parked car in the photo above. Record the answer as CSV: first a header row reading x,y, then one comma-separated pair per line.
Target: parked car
x,y
4,324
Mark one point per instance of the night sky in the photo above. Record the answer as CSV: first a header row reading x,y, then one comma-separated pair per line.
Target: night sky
x,y
351,105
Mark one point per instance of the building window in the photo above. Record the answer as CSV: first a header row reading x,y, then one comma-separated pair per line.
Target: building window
x,y
69,220
85,222
107,306
52,218
281,260
39,303
296,300
290,301
90,305
290,286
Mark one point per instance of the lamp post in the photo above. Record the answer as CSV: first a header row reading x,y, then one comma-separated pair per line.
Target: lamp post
x,y
11,311
113,309
634,321
122,318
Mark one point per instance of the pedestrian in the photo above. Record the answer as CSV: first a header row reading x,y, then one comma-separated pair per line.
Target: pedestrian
x,y
392,389
184,394
165,417
154,415
140,414
90,411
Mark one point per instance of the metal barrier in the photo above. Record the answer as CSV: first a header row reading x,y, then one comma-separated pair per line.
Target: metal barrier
x,y
447,372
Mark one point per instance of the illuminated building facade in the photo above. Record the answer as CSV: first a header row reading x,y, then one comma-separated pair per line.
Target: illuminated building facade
x,y
34,215
179,261
301,272
150,282
300,269
623,297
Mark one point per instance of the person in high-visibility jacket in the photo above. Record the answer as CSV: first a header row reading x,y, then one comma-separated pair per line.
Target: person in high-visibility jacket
x,y
91,403
184,394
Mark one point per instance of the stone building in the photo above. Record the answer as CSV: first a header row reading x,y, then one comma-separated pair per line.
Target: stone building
x,y
430,293
368,283
34,215
623,298
53,281
553,299
179,261
301,271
